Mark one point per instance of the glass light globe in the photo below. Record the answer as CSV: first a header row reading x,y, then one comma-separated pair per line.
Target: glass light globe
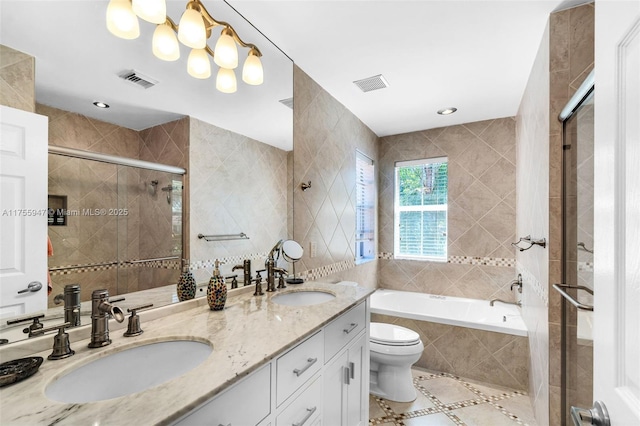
x,y
165,44
252,72
154,11
191,30
226,51
121,21
226,81
198,64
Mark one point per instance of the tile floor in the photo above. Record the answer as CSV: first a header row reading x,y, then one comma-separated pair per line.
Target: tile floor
x,y
445,399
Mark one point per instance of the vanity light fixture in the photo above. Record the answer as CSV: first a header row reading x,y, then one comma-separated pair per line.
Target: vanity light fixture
x,y
447,111
196,25
101,104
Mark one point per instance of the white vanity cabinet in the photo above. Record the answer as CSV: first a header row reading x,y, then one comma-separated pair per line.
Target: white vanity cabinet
x,y
323,380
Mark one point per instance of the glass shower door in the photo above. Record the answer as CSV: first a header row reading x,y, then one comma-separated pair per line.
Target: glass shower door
x,y
578,184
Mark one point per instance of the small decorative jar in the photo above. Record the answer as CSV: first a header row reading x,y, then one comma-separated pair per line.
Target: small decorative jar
x,y
186,288
217,289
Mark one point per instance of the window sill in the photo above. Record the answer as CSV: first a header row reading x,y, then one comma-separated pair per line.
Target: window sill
x,y
421,259
364,260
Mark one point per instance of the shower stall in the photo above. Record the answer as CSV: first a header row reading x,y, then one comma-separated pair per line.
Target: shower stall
x,y
114,223
577,250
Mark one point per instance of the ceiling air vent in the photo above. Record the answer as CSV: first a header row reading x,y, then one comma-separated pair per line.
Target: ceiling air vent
x,y
287,102
372,83
141,80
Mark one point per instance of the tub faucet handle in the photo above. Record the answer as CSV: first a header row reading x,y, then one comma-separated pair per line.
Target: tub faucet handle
x,y
517,283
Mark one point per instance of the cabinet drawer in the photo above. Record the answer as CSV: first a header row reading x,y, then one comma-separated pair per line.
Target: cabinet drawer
x,y
295,367
229,408
305,409
343,329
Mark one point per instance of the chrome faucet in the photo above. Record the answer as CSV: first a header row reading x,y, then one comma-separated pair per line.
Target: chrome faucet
x,y
71,299
101,310
246,269
518,303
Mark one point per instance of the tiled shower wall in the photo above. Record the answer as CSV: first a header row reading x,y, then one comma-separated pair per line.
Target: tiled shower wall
x,y
237,185
564,59
17,79
481,210
532,124
325,137
571,59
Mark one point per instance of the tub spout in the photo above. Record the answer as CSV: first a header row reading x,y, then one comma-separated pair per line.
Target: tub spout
x,y
518,303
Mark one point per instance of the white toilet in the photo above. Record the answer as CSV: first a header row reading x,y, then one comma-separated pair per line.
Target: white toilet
x,y
394,350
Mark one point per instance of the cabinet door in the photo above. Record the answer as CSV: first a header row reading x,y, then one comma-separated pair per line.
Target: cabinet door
x,y
230,407
335,397
346,393
357,405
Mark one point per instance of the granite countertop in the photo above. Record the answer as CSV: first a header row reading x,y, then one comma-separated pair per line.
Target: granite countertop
x,y
247,334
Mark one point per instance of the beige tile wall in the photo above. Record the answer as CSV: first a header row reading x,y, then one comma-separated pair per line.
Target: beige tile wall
x,y
481,213
571,59
532,124
17,79
325,137
564,59
237,185
496,358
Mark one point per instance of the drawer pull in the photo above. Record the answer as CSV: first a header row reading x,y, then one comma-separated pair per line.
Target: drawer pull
x,y
220,424
310,412
352,370
352,327
299,371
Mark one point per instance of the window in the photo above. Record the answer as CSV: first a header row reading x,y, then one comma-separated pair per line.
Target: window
x,y
420,209
365,208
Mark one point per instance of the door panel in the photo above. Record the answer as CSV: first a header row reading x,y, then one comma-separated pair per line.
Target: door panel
x,y
617,210
23,211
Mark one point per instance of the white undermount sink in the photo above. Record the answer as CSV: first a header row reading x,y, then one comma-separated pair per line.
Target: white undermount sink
x,y
302,298
128,371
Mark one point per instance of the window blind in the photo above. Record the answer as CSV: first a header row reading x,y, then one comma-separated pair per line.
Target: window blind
x,y
421,209
365,208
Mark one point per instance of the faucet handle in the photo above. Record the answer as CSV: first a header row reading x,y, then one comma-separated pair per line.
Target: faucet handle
x,y
234,280
36,325
61,347
120,299
133,328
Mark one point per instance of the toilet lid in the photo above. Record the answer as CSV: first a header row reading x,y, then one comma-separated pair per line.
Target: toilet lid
x,y
394,335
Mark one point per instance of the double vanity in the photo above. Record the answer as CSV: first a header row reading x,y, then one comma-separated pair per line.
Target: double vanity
x,y
294,357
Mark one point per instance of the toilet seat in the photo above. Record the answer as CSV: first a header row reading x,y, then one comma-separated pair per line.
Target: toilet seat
x,y
392,335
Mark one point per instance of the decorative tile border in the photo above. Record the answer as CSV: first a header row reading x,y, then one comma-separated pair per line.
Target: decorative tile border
x,y
585,266
468,260
323,271
447,409
105,266
210,263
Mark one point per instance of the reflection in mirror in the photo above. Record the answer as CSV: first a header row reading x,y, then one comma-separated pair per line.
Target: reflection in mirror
x,y
233,146
121,227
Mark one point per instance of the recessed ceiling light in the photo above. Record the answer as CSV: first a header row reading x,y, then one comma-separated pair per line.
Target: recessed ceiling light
x,y
447,111
101,104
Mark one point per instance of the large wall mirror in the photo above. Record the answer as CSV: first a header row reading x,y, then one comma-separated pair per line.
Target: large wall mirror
x,y
235,149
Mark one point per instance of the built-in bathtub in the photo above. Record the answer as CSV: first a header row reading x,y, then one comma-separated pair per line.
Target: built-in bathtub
x,y
464,337
458,311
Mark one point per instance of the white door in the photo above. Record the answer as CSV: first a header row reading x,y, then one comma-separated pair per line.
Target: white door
x,y
617,210
23,211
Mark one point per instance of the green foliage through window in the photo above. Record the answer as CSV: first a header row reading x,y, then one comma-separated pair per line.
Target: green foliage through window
x,y
421,209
